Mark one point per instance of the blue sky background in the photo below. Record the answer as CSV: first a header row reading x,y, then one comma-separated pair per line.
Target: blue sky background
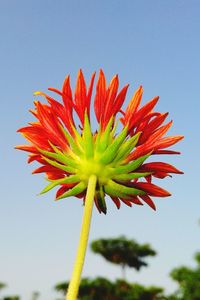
x,y
153,43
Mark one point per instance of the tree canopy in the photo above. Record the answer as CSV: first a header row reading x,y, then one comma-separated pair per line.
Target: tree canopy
x,y
123,251
188,280
101,288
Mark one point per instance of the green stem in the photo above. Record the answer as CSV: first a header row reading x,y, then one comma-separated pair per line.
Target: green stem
x,y
78,266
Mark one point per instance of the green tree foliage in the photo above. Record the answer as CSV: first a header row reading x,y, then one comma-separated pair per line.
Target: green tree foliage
x,y
61,287
2,285
123,251
101,288
35,295
188,280
12,298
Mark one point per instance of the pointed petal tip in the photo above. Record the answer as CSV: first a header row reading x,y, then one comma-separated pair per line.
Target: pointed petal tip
x,y
80,73
37,93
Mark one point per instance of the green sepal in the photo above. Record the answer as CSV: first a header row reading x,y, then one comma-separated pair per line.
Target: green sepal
x,y
76,147
103,139
115,189
77,189
69,179
88,138
58,155
100,197
110,153
127,147
54,163
97,139
130,176
65,156
113,131
78,138
127,168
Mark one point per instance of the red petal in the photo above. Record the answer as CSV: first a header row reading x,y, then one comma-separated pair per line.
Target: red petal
x,y
116,201
138,116
135,200
33,157
36,135
66,91
49,169
99,101
127,202
149,201
55,175
152,125
80,96
161,175
55,91
120,100
168,141
159,133
160,166
64,188
110,98
112,91
166,152
152,189
89,94
134,103
28,148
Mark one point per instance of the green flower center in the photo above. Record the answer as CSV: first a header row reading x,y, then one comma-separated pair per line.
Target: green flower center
x,y
92,167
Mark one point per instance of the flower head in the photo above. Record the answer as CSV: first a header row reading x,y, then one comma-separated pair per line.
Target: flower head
x,y
69,154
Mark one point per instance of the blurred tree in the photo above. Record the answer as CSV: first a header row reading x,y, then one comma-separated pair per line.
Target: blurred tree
x,y
102,289
2,285
135,291
188,280
35,295
61,287
11,298
123,252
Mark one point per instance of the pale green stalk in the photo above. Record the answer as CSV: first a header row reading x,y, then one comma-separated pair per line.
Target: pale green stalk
x,y
78,266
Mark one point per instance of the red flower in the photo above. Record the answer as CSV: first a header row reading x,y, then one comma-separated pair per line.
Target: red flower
x,y
69,154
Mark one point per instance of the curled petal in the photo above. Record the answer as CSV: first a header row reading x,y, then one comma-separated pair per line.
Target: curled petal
x,y
149,201
160,166
152,189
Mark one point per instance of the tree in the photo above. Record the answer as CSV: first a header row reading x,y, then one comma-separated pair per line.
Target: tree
x,y
123,252
2,285
35,295
188,280
101,288
12,298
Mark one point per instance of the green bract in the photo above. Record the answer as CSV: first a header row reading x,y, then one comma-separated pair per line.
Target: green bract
x,y
102,154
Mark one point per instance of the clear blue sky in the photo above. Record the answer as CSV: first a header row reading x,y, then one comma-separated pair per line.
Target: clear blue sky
x,y
153,43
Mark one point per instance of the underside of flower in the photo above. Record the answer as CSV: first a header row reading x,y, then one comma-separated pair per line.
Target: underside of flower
x,y
70,154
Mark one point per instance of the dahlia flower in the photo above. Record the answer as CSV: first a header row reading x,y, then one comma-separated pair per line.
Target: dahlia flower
x,y
111,160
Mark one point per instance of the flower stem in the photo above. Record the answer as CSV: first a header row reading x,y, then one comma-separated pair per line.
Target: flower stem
x,y
78,265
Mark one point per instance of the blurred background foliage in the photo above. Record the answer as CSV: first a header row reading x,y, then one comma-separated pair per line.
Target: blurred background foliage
x,y
128,253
